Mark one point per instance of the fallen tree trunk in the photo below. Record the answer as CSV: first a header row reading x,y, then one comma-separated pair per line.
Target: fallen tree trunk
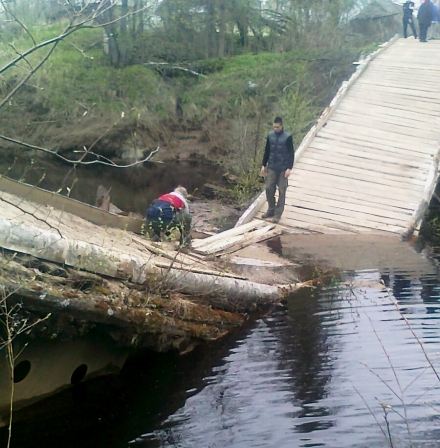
x,y
50,245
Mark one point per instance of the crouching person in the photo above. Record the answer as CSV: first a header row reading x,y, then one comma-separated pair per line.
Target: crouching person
x,y
170,211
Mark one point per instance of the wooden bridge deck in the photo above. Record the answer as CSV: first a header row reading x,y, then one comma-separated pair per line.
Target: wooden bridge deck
x,y
370,163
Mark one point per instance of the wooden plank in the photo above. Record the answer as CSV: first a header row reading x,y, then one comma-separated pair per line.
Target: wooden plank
x,y
376,106
307,180
261,227
315,228
399,80
376,166
371,117
88,212
367,102
393,72
419,76
403,150
324,204
425,95
370,139
297,219
233,241
363,95
350,210
432,68
395,81
356,191
389,86
257,239
414,78
336,217
363,148
342,150
411,64
381,68
341,191
401,181
252,210
351,106
360,130
377,73
354,198
228,233
383,125
363,216
350,155
217,245
362,175
334,222
393,98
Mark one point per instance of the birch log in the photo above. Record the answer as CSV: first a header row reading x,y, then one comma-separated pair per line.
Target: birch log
x,y
49,245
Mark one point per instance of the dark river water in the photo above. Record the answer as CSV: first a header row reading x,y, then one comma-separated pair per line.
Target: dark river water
x,y
355,364
131,189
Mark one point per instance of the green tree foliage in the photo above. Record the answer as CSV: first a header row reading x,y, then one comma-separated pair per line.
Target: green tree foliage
x,y
137,31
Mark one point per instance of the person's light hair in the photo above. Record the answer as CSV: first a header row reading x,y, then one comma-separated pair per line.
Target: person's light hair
x,y
181,190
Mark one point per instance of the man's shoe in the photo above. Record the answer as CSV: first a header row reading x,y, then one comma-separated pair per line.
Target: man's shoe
x,y
267,215
276,219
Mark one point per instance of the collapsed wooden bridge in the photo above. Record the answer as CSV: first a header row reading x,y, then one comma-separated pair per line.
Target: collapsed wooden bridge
x,y
370,165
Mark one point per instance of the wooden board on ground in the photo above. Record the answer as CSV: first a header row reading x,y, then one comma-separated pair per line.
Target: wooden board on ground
x,y
236,231
238,240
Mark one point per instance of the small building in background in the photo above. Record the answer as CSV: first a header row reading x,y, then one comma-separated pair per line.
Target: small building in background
x,y
381,18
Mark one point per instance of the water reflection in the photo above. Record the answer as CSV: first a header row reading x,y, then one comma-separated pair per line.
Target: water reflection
x,y
132,189
347,367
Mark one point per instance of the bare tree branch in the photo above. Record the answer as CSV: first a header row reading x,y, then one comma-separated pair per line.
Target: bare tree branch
x,y
70,29
175,67
17,52
79,162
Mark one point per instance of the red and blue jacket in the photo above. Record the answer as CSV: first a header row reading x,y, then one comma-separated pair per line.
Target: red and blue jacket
x,y
165,208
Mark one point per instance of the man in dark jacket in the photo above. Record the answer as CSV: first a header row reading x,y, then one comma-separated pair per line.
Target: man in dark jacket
x,y
425,16
277,163
408,19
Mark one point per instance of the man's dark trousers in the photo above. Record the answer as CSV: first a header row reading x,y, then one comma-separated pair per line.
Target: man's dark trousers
x,y
276,179
423,28
409,21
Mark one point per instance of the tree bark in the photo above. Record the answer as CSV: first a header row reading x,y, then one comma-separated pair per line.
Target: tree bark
x,y
48,245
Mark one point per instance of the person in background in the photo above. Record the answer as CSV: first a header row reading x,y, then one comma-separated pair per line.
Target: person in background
x,y
170,211
276,166
425,16
408,19
433,31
